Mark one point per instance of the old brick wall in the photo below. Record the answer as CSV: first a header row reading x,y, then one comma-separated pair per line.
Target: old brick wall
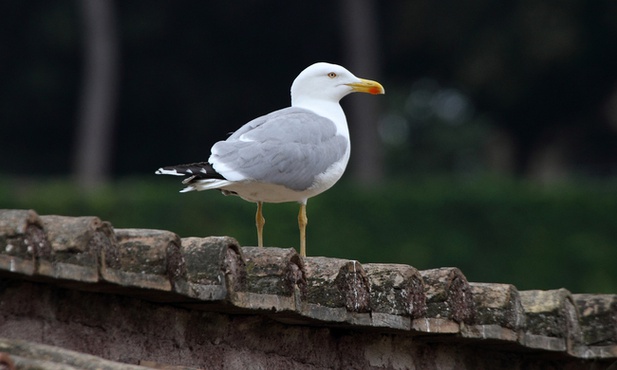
x,y
147,297
134,331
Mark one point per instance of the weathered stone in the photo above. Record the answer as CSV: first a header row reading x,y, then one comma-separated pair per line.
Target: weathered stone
x,y
31,356
430,325
337,291
598,318
397,295
497,304
147,259
498,313
448,294
22,241
128,329
334,282
79,245
213,279
488,331
550,314
395,289
274,279
159,366
274,271
6,361
543,342
215,268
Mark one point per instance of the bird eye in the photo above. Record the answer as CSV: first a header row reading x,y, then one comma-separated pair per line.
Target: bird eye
x,y
331,74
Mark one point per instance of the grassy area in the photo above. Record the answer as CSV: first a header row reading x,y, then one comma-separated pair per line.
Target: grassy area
x,y
494,230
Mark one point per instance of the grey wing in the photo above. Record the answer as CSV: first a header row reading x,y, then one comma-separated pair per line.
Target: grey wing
x,y
290,147
273,117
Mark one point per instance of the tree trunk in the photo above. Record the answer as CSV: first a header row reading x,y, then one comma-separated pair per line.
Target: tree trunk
x,y
360,40
93,147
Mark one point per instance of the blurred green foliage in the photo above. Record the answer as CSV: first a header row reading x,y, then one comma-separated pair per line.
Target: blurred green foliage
x,y
494,230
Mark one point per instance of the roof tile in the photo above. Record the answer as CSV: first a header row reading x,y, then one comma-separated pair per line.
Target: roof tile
x,y
217,274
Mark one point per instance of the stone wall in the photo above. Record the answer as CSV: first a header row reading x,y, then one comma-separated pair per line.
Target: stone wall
x,y
150,298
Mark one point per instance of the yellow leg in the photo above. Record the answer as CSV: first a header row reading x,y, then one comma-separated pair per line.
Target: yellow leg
x,y
302,222
260,221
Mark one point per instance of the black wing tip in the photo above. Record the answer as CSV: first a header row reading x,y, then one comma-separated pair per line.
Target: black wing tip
x,y
194,171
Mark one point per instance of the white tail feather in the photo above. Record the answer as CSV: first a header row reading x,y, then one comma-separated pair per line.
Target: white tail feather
x,y
162,171
206,184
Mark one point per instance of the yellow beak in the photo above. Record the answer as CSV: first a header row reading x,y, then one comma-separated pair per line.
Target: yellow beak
x,y
367,86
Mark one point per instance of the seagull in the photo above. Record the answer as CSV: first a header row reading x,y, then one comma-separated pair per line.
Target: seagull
x,y
289,155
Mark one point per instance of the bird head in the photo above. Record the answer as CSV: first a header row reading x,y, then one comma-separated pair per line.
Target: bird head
x,y
330,82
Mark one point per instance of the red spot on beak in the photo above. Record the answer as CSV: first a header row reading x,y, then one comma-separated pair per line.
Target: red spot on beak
x,y
374,90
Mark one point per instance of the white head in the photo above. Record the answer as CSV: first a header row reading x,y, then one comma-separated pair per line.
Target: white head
x,y
329,82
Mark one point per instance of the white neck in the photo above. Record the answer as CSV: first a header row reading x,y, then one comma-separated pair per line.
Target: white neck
x,y
329,109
